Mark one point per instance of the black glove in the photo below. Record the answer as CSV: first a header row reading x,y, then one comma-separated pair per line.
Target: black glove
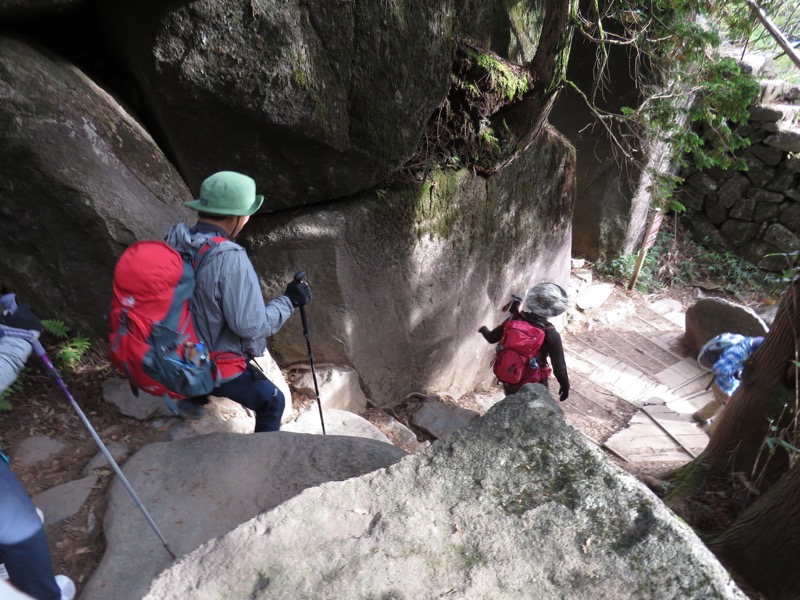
x,y
563,394
299,293
22,318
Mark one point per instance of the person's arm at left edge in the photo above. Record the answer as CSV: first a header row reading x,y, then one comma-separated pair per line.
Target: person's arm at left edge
x,y
14,352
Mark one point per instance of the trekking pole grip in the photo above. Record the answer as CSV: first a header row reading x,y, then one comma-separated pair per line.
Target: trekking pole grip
x,y
298,277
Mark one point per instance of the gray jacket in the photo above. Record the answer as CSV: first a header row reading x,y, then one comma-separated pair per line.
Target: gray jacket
x,y
228,307
13,354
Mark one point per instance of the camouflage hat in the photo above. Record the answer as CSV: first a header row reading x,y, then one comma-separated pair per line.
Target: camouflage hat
x,y
713,349
227,193
546,300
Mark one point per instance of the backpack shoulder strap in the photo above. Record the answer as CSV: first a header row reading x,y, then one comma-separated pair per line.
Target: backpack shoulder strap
x,y
543,325
205,250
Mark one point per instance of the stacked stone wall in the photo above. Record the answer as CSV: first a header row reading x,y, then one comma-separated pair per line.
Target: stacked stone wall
x,y
756,212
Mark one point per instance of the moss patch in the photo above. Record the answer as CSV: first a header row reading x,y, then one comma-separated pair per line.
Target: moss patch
x,y
462,133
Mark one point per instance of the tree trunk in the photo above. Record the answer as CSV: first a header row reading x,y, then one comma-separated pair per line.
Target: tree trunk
x,y
766,396
548,68
763,545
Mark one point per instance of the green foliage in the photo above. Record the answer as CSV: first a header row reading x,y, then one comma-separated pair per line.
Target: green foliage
x,y
693,97
510,85
744,30
468,130
620,270
792,268
773,443
676,260
15,387
70,351
718,108
67,354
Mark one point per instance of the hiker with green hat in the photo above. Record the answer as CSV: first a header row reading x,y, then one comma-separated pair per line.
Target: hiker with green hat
x,y
229,309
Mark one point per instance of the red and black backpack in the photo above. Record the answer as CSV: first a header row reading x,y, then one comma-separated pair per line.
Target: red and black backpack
x,y
153,338
519,358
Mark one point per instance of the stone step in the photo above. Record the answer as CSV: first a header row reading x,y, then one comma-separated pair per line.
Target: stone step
x,y
634,389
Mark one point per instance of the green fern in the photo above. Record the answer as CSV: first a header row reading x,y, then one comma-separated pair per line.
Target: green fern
x,y
15,387
69,352
56,328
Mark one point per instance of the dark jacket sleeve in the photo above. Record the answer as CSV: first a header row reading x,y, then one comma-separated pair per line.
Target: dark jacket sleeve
x,y
555,350
493,336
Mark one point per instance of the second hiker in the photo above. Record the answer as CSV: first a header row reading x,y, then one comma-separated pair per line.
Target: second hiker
x,y
228,306
541,302
725,356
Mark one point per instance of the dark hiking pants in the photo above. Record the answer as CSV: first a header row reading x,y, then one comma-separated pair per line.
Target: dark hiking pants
x,y
253,390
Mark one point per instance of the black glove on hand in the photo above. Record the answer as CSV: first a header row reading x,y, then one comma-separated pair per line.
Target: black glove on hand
x,y
299,293
22,318
563,394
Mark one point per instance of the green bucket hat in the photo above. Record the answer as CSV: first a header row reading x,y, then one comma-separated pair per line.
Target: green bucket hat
x,y
227,193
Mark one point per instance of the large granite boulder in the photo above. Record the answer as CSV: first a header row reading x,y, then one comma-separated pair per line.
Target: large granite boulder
x,y
708,317
519,505
24,9
316,100
199,488
80,179
403,280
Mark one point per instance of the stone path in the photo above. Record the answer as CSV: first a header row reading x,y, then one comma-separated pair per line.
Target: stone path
x,y
633,387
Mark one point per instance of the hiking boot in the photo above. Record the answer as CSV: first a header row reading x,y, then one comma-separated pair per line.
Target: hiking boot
x,y
67,587
190,410
708,411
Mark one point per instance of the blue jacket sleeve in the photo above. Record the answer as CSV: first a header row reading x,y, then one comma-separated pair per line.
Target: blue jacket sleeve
x,y
243,303
13,354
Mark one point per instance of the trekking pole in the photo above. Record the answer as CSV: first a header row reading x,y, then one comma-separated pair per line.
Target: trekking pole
x,y
31,337
298,277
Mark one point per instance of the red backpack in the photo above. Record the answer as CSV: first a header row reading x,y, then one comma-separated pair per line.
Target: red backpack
x,y
518,358
153,340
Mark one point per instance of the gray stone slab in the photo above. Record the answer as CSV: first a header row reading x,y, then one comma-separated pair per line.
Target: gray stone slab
x,y
119,452
337,422
64,500
36,449
440,419
594,296
202,487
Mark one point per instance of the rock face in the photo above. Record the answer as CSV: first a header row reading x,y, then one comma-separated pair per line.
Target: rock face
x,y
199,488
610,214
13,9
315,100
79,180
286,91
403,280
318,103
516,506
709,317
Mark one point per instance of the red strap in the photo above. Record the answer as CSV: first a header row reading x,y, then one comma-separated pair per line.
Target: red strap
x,y
210,243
